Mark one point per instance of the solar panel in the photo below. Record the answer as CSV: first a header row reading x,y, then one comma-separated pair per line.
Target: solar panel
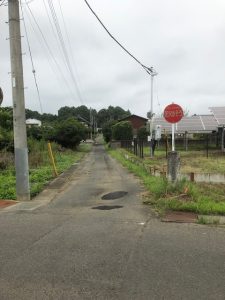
x,y
219,114
193,124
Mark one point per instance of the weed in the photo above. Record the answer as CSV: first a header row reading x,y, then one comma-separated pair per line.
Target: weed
x,y
181,196
41,171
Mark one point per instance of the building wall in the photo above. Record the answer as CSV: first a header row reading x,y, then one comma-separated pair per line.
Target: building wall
x,y
136,121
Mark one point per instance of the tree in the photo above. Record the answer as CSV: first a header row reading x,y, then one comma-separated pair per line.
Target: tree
x,y
142,133
66,112
107,131
30,114
110,114
48,118
122,131
83,112
69,133
103,117
6,119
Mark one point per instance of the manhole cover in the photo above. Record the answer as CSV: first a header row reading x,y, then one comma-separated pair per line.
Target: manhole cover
x,y
114,195
107,207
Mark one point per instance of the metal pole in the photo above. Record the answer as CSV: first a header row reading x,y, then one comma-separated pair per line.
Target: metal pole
x,y
151,120
173,139
19,121
153,73
91,122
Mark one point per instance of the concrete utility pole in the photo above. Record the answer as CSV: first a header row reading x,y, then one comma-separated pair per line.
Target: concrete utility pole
x,y
153,73
19,121
91,122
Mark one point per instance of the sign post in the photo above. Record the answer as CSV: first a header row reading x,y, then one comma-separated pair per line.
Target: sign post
x,y
173,113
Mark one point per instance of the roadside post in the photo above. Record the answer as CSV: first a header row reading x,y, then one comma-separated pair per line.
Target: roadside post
x,y
173,113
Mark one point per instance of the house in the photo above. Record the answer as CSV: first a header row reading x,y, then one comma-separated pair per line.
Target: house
x,y
136,122
33,122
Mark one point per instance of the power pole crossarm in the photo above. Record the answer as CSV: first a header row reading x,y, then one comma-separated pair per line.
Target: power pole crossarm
x,y
19,121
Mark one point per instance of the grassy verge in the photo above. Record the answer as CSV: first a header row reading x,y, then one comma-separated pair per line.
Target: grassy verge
x,y
191,161
41,174
182,196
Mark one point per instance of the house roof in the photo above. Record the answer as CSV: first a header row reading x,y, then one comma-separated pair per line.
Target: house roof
x,y
128,117
33,121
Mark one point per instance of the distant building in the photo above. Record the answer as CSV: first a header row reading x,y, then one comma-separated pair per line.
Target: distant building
x,y
136,122
33,122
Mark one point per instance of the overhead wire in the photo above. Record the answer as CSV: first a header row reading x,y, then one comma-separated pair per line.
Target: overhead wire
x,y
3,2
63,46
31,58
52,28
149,70
69,43
49,50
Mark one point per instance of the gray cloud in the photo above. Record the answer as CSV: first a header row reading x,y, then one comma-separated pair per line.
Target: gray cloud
x,y
183,40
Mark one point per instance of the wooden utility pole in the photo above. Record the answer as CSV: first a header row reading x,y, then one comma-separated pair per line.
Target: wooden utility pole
x,y
19,120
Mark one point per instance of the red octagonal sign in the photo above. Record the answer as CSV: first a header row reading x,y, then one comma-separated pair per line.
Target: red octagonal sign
x,y
173,113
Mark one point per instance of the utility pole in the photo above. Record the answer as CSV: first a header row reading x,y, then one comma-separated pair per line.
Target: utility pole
x,y
19,121
91,122
152,73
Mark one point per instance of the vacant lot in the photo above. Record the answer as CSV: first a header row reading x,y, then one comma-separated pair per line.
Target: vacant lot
x,y
182,196
191,161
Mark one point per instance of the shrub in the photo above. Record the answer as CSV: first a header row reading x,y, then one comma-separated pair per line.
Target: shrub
x,y
122,131
69,133
107,131
142,133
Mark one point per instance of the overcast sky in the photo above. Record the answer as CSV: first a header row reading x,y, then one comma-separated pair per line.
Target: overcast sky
x,y
182,39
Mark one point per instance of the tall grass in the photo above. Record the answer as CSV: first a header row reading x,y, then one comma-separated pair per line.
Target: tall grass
x,y
41,171
182,196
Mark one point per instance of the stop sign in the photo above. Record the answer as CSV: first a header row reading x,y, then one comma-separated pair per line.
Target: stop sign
x,y
173,113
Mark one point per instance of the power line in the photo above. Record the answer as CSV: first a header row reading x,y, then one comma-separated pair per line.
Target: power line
x,y
69,43
49,50
147,69
31,58
3,2
61,39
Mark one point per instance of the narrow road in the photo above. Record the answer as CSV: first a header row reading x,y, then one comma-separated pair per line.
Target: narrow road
x,y
80,246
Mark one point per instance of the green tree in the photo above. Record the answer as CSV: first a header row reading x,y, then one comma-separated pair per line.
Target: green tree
x,y
142,133
83,112
110,114
107,131
69,133
66,112
6,140
30,114
6,119
122,131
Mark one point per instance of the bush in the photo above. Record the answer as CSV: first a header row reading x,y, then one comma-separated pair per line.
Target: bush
x,y
69,133
142,133
122,131
6,140
107,131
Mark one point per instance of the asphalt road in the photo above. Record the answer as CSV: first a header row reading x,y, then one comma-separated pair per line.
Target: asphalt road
x,y
71,249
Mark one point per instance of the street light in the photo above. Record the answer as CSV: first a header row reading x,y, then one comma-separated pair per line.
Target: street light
x,y
152,73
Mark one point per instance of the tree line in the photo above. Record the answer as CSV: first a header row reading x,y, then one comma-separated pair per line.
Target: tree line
x,y
70,126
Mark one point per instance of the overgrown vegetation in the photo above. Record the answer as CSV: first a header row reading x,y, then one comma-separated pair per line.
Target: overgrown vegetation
x,y
122,131
191,161
40,168
182,196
